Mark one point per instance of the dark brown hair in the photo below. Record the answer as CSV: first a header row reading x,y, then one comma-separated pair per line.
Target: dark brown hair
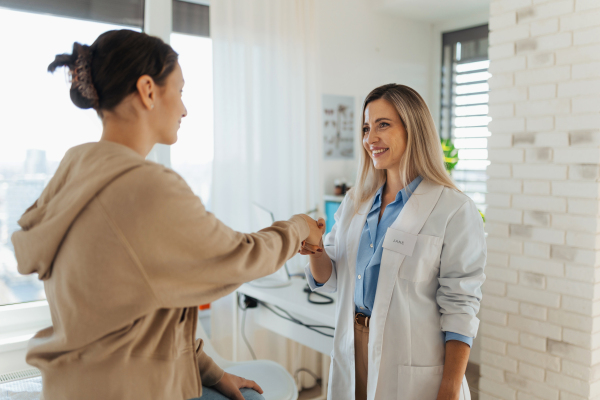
x,y
107,71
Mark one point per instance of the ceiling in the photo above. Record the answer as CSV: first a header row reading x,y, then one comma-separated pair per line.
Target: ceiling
x,y
434,10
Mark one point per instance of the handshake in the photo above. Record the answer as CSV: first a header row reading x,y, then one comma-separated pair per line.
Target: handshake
x,y
313,245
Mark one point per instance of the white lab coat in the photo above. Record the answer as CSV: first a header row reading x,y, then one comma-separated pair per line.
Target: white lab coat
x,y
422,291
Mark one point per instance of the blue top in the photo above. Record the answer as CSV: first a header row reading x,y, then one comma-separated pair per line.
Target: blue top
x,y
370,251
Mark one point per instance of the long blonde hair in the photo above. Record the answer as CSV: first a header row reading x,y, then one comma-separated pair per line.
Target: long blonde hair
x,y
423,155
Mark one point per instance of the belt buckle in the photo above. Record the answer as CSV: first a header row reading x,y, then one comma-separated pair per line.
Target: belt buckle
x,y
361,315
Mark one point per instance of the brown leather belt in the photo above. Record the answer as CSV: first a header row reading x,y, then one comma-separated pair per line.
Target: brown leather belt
x,y
362,319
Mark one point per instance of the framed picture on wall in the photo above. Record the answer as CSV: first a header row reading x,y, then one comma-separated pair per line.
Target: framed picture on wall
x,y
338,127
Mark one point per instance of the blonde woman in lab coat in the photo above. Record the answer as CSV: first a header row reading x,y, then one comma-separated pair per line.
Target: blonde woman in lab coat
x,y
406,256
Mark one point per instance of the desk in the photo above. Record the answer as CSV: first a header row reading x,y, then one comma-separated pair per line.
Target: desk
x,y
294,300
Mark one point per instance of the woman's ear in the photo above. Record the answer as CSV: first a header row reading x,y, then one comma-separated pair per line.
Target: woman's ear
x,y
147,90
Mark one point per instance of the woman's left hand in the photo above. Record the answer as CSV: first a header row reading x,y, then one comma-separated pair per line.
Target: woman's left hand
x,y
230,386
448,392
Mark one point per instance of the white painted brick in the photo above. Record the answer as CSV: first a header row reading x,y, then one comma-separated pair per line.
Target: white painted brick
x,y
585,137
584,240
577,305
502,304
508,245
578,338
498,389
575,156
534,124
538,155
543,75
554,139
501,51
579,88
571,254
494,288
503,20
534,296
587,190
508,95
576,370
584,290
586,71
504,185
545,91
536,218
501,274
503,6
524,139
554,172
547,361
542,235
497,258
538,250
536,187
567,383
505,65
499,81
544,27
545,43
499,170
541,390
546,267
543,107
497,229
497,200
492,316
507,125
575,223
541,60
509,34
500,140
571,396
585,172
584,121
582,5
539,328
488,371
535,312
533,280
580,273
504,215
578,54
587,36
545,10
587,19
501,111
540,203
569,351
582,105
531,372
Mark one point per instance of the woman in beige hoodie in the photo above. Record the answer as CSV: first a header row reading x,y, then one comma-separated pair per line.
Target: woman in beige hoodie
x,y
125,249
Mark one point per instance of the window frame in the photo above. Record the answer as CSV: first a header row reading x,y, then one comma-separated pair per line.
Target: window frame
x,y
19,322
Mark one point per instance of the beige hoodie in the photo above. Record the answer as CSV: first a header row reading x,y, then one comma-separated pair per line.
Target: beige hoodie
x,y
127,252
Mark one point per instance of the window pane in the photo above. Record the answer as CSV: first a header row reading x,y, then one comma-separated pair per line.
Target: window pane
x,y
473,66
476,88
192,155
473,99
38,126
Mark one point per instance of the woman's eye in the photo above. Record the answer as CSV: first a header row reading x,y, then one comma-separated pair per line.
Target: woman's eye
x,y
365,131
384,124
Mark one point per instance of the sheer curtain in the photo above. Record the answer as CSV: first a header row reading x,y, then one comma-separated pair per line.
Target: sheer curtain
x,y
267,150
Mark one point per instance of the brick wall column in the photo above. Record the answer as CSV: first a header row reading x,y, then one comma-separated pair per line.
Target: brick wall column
x,y
540,330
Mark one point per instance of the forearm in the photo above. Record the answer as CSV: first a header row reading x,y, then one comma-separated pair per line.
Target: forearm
x,y
455,366
320,266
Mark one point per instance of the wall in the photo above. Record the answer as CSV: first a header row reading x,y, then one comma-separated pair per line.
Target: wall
x,y
362,48
540,312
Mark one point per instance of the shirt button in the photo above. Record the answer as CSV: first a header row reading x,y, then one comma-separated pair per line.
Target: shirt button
x,y
362,308
359,277
371,245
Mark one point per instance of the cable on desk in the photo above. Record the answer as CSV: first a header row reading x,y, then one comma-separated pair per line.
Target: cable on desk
x,y
317,379
328,300
243,328
290,318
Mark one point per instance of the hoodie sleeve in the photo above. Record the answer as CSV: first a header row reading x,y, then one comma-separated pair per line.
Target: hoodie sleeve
x,y
187,255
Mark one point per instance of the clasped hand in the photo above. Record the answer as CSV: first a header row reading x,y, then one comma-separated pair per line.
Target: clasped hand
x,y
313,245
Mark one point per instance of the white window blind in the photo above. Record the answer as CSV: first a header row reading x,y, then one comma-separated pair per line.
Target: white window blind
x,y
464,116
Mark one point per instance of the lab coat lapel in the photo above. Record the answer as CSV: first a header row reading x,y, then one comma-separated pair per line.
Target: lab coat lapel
x,y
411,219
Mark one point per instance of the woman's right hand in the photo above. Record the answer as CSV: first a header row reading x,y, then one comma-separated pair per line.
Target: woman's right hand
x,y
317,229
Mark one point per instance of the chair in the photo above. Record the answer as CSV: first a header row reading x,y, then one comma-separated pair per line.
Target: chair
x,y
276,382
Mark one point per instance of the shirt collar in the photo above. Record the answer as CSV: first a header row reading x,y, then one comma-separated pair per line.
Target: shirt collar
x,y
404,194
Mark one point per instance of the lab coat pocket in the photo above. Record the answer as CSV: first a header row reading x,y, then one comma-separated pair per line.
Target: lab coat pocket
x,y
421,383
424,261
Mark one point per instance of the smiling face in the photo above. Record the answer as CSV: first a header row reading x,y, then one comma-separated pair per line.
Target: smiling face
x,y
169,108
384,135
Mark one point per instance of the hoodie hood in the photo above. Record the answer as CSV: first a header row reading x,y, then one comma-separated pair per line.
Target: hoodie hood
x,y
84,172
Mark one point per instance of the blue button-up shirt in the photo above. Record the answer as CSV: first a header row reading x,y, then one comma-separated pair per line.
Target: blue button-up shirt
x,y
370,251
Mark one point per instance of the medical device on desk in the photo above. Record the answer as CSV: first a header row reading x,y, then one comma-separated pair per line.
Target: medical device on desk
x,y
282,277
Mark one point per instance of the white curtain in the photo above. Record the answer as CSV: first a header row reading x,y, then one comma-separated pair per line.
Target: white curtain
x,y
267,147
